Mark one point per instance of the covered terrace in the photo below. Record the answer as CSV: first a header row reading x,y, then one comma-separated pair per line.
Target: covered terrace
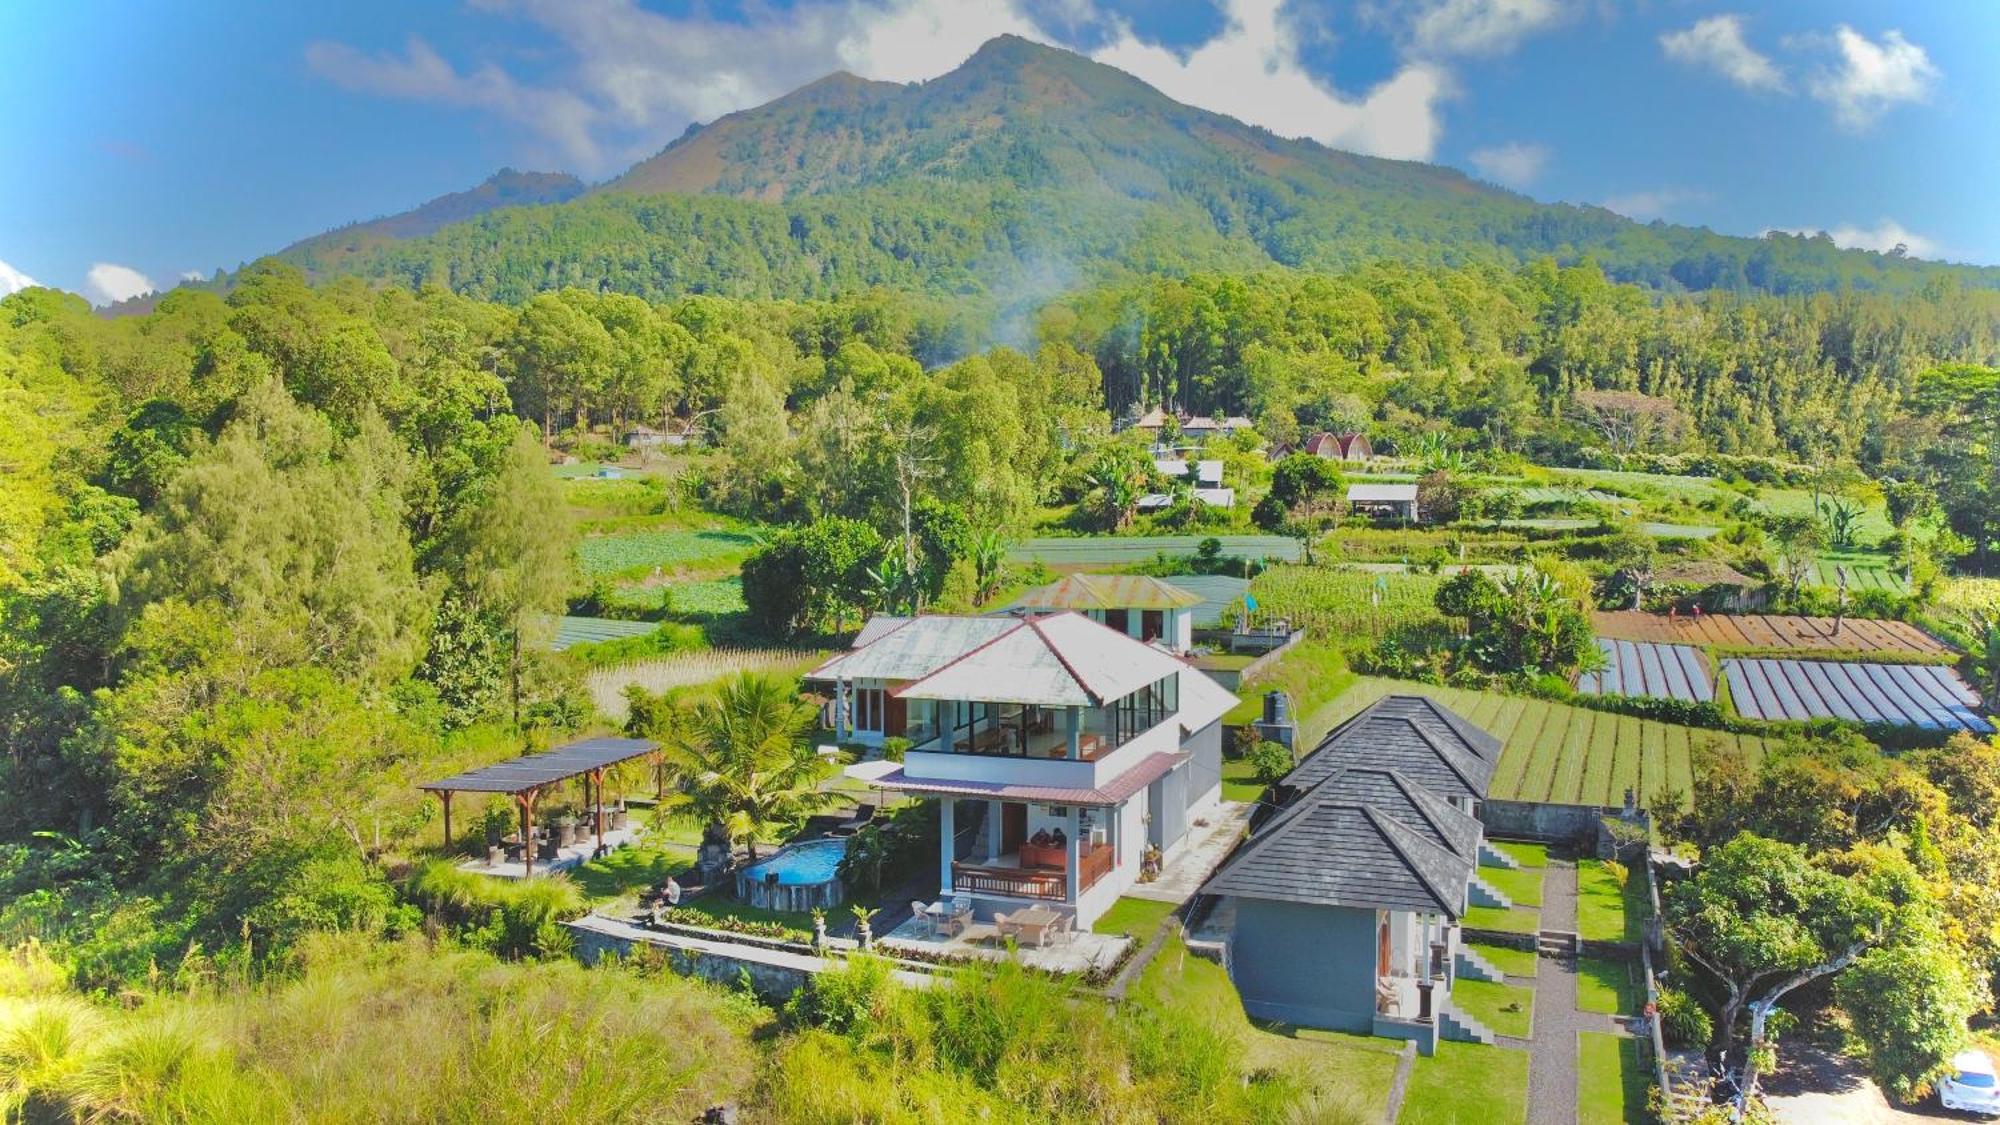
x,y
528,778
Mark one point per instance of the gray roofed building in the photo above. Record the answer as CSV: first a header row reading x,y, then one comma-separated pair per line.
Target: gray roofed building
x,y
1331,850
1414,735
1412,805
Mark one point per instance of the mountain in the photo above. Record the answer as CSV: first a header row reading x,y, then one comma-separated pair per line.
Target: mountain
x,y
505,188
1029,170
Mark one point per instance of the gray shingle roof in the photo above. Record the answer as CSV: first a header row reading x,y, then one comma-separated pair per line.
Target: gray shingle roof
x,y
1330,851
1414,735
1412,806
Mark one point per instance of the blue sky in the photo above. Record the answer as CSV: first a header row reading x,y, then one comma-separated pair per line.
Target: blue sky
x,y
147,140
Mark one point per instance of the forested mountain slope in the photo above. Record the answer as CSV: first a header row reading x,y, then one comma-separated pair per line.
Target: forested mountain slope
x,y
1027,171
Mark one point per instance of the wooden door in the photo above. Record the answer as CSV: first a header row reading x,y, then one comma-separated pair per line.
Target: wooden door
x,y
1382,950
1116,619
896,717
1013,826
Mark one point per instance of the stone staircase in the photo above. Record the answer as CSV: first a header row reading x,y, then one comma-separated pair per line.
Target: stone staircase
x,y
1479,892
1490,856
1455,1025
1556,943
1471,966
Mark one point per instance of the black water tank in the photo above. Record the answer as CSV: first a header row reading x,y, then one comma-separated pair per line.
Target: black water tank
x,y
1277,707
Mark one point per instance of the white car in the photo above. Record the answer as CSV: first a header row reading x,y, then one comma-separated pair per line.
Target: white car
x,y
1970,1086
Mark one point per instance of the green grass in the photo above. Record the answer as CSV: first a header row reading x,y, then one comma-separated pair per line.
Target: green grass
x,y
627,870
1558,754
1335,603
1136,917
1527,855
720,905
1524,887
1313,672
701,597
1351,1072
1604,910
1107,550
1513,962
1237,782
1611,1081
1519,920
1467,1084
1509,1009
1866,570
1608,987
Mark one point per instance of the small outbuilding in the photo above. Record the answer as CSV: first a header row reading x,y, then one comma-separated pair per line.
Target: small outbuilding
x,y
1395,500
1340,447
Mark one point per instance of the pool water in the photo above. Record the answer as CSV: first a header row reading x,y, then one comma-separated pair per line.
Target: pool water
x,y
802,864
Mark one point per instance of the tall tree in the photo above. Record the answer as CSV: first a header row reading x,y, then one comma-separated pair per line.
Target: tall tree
x,y
742,761
519,551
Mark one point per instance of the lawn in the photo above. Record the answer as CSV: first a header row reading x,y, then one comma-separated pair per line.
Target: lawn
x,y
1525,854
1135,917
1606,911
1507,959
1558,754
1607,986
1467,1084
628,870
1524,887
1314,673
1520,920
720,906
1508,1009
1611,1081
1237,782
1351,1072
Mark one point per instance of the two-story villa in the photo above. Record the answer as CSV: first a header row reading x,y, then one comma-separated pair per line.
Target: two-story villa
x,y
1060,750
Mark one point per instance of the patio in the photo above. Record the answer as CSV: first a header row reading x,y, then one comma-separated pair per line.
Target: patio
x,y
1065,953
567,857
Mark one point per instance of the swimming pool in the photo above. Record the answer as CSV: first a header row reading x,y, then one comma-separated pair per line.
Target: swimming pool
x,y
797,877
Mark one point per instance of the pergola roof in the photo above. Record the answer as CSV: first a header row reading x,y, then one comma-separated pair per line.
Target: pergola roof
x,y
1366,493
533,771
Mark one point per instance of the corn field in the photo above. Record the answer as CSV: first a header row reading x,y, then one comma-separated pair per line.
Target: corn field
x,y
687,669
1336,605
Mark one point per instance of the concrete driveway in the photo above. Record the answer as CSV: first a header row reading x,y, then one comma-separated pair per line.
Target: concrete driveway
x,y
1816,1087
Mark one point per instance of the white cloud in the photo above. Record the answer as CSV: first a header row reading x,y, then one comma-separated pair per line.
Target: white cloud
x,y
1872,77
193,275
1480,27
1514,163
1652,204
13,280
632,78
1717,44
1251,70
1883,237
108,283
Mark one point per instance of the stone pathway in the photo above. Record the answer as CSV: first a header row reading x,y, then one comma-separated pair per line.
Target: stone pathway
x,y
1552,1055
1406,1060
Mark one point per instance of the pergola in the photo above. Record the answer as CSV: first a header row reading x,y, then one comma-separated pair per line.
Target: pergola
x,y
525,778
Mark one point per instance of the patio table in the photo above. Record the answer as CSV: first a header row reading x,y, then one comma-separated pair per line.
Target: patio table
x,y
1031,924
948,918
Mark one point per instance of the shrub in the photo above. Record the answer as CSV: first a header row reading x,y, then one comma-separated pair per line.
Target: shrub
x,y
894,747
1269,762
1683,1021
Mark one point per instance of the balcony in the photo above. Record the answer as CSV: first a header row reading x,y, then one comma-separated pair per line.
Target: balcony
x,y
1039,875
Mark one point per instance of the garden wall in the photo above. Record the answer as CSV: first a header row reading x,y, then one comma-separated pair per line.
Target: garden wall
x,y
1531,820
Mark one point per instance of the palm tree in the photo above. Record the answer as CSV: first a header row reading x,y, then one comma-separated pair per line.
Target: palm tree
x,y
742,761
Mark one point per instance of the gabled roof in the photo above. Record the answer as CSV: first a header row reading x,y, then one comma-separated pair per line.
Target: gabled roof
x,y
1059,660
1382,493
1416,736
1330,850
909,648
1109,591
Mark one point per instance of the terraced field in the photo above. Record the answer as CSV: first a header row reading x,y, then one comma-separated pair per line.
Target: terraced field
x,y
636,552
1558,754
1758,632
1864,572
1118,550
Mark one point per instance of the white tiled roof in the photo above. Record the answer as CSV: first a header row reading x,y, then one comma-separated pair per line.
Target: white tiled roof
x,y
909,648
1061,660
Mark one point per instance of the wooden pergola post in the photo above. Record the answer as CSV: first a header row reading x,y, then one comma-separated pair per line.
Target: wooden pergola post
x,y
445,795
597,779
526,799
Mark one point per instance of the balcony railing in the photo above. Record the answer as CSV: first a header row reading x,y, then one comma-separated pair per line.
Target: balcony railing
x,y
1033,882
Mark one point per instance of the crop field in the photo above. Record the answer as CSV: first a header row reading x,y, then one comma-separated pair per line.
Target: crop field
x,y
1079,552
1758,632
1962,599
1872,525
1694,490
1922,695
572,631
1651,671
635,552
1865,571
1219,592
1558,754
1336,604
689,669
1557,494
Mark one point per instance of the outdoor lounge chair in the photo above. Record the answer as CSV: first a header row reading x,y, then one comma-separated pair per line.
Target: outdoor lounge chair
x,y
853,824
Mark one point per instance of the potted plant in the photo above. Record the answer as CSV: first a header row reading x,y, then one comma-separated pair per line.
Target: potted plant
x,y
819,929
863,934
565,830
